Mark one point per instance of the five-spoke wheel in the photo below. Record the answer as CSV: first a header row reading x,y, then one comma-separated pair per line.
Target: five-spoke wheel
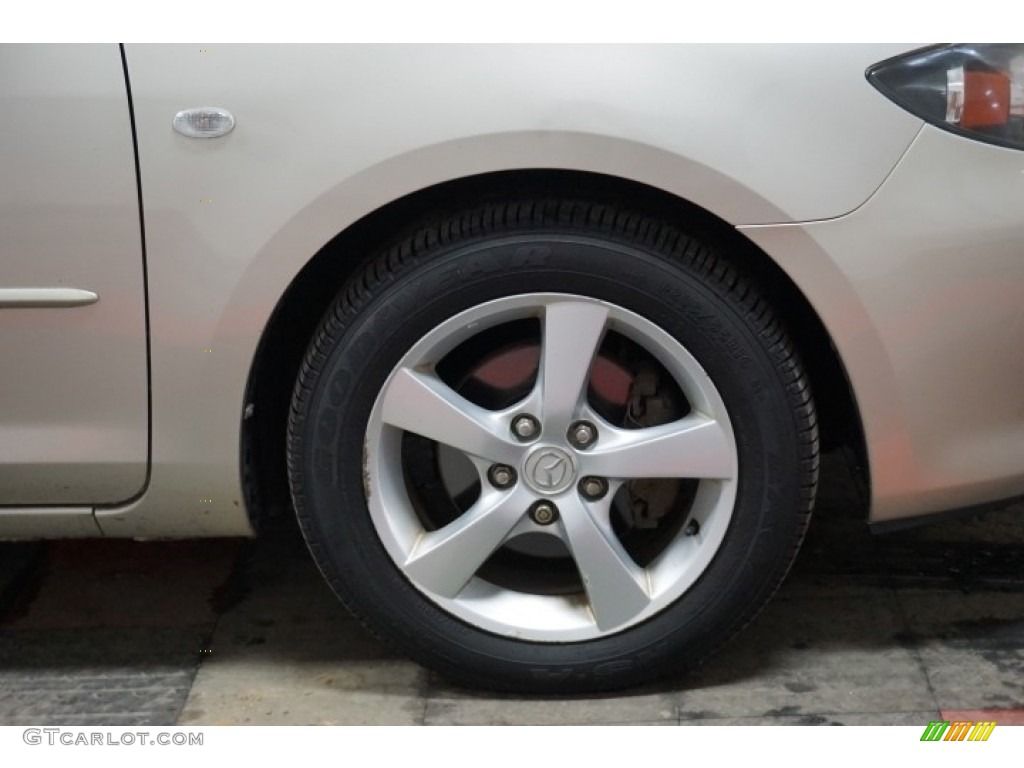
x,y
550,465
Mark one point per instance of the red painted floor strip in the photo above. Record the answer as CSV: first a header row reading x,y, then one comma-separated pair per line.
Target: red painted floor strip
x,y
1000,716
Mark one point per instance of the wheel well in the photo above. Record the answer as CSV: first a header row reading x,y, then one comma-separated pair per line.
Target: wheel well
x,y
308,297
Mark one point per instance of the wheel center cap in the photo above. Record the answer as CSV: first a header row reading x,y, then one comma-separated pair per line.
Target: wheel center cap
x,y
549,470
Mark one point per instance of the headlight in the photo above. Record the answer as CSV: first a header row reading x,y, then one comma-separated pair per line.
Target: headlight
x,y
974,90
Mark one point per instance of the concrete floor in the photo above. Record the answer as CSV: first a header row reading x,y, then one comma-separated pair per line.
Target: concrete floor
x,y
894,629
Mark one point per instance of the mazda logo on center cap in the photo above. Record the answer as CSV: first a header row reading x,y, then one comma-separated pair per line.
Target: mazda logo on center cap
x,y
549,470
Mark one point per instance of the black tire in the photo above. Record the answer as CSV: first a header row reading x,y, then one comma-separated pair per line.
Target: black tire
x,y
645,265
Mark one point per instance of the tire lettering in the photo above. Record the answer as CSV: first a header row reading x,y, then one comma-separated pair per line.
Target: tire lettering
x,y
482,264
363,346
612,668
542,673
449,277
530,256
323,460
327,426
338,386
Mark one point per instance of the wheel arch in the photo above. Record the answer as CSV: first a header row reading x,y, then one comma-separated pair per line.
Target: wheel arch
x,y
301,306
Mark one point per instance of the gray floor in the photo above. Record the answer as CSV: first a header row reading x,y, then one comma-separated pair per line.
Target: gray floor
x,y
894,629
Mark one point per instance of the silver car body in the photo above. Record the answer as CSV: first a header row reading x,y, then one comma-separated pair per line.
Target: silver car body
x,y
124,416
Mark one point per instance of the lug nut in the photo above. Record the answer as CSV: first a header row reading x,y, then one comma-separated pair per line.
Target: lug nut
x,y
501,476
582,434
692,528
525,427
593,488
543,513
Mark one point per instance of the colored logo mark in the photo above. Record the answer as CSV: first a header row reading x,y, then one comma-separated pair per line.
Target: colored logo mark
x,y
958,730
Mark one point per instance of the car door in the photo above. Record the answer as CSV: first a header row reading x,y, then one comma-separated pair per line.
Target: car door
x,y
73,369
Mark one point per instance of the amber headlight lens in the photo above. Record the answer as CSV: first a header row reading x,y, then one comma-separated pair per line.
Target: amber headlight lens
x,y
974,90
